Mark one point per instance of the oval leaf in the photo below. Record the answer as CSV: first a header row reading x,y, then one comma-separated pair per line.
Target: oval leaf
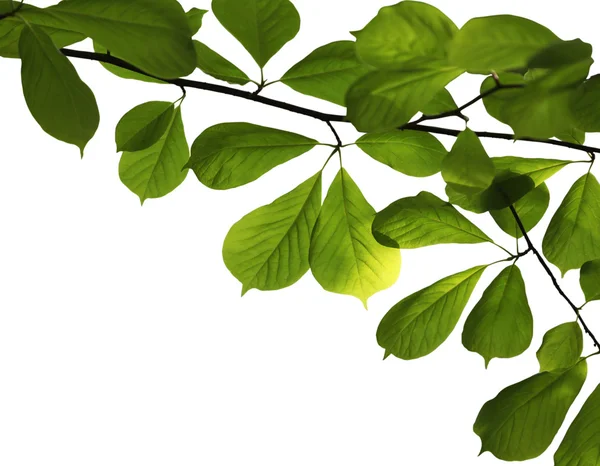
x,y
530,209
561,347
228,155
500,325
213,64
344,256
268,248
589,279
421,322
143,125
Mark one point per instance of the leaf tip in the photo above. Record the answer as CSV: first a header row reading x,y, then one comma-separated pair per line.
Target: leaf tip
x,y
386,354
245,289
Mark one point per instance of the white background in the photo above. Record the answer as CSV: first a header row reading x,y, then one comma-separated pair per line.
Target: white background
x,y
124,339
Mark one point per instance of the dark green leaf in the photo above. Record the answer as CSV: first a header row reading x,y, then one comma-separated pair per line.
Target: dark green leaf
x,y
521,422
442,102
123,72
327,72
228,155
530,208
194,17
561,347
573,236
498,43
589,280
561,53
539,170
62,104
383,100
344,256
406,35
213,64
424,220
585,105
500,325
157,170
413,153
421,322
143,126
268,248
580,445
261,26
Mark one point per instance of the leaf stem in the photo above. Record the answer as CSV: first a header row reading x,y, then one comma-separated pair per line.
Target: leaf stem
x,y
335,133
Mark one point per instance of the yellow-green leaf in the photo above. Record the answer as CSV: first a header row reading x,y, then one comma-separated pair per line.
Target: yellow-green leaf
x,y
561,347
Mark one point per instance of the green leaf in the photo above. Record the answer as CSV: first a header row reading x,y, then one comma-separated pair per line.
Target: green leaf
x,y
573,236
530,208
589,280
442,102
561,348
413,153
157,170
585,105
143,126
213,64
383,100
574,136
561,53
468,168
424,220
61,103
580,445
344,256
130,29
406,35
521,422
539,170
421,322
123,72
261,26
327,73
268,248
194,17
500,325
498,43
229,155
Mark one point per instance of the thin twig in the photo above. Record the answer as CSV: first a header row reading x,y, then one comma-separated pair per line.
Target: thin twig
x,y
335,133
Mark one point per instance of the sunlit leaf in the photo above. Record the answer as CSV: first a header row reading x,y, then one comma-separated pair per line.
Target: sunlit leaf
x,y
539,170
268,248
589,280
585,105
521,422
573,135
143,125
213,64
344,256
441,103
500,325
561,347
530,209
413,153
421,322
228,155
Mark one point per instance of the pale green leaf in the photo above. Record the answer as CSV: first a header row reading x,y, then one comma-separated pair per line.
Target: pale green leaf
x,y
413,153
521,422
143,126
539,170
157,170
585,105
424,220
194,17
442,102
268,248
561,347
62,104
573,236
261,26
500,325
213,64
229,155
344,256
327,72
589,279
530,209
421,322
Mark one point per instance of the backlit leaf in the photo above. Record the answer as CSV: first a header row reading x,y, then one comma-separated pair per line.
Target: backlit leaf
x,y
539,170
561,347
421,322
589,280
561,53
213,64
441,103
344,256
530,209
585,105
143,125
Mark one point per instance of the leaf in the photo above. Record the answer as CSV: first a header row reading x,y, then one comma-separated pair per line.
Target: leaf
x,y
585,105
580,445
229,155
268,248
498,43
327,72
406,35
130,29
213,64
574,136
421,322
344,256
194,17
261,26
157,170
61,103
562,53
441,103
589,280
467,167
424,220
143,126
530,208
573,236
539,170
521,422
413,153
500,325
383,100
561,348
123,72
